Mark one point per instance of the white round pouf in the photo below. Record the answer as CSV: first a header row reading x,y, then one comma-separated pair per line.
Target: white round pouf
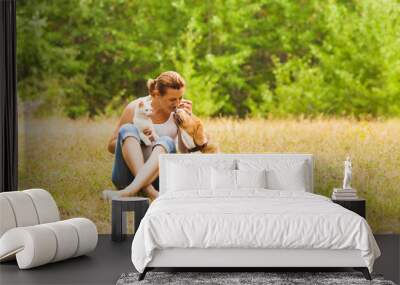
x,y
52,242
23,208
7,216
67,239
31,233
87,233
33,246
46,207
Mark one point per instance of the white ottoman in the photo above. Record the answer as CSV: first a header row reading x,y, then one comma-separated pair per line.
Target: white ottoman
x,y
31,232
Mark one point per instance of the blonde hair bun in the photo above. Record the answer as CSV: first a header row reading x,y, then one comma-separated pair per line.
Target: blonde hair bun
x,y
151,85
167,79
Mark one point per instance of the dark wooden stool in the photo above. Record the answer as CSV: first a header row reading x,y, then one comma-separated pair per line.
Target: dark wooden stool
x,y
119,207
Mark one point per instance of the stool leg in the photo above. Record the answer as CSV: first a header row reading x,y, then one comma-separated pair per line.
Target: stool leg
x,y
118,222
140,211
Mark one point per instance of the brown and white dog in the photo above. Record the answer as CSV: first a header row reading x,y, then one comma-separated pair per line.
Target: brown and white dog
x,y
192,132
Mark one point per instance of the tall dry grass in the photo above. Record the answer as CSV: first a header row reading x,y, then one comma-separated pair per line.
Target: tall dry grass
x,y
70,159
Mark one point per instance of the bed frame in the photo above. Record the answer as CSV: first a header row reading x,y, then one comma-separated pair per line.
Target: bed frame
x,y
250,257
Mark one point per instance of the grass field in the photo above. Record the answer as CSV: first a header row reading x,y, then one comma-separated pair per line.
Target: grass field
x,y
70,159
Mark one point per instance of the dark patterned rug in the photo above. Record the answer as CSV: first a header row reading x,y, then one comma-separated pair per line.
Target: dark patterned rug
x,y
229,278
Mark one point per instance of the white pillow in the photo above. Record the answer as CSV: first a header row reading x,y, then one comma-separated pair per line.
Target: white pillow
x,y
229,179
292,180
192,174
183,177
281,174
223,179
251,178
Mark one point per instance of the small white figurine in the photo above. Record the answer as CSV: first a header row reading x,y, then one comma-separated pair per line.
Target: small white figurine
x,y
347,174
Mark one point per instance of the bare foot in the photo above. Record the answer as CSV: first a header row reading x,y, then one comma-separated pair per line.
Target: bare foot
x,y
127,194
110,194
152,197
151,192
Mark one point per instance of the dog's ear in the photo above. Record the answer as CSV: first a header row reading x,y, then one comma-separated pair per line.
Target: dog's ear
x,y
200,136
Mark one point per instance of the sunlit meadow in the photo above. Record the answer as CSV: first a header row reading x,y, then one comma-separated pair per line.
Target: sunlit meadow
x,y
69,158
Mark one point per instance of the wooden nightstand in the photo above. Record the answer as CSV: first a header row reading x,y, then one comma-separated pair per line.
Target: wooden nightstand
x,y
355,205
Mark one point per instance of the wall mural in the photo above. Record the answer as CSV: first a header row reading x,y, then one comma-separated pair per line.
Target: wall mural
x,y
106,86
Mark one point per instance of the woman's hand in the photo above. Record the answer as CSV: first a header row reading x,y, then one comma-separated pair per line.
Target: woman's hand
x,y
149,134
186,104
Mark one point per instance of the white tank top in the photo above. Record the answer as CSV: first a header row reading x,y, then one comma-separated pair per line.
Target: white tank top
x,y
167,128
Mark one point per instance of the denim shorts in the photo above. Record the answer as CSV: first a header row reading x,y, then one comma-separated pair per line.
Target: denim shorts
x,y
121,175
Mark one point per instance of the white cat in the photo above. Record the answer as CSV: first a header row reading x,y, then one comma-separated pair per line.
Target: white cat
x,y
142,120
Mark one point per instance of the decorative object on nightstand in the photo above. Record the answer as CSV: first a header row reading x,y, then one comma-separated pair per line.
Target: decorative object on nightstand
x,y
347,174
344,194
356,205
119,207
347,196
347,192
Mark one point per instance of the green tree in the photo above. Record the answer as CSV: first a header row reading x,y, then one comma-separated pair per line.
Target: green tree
x,y
239,57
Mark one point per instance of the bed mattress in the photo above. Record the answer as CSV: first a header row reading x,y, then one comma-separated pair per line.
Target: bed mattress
x,y
250,219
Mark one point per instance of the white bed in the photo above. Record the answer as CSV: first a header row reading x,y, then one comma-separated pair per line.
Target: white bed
x,y
208,226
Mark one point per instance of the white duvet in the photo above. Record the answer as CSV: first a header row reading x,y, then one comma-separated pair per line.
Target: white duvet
x,y
252,218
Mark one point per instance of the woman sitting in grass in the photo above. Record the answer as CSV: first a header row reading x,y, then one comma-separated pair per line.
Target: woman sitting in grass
x,y
136,164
